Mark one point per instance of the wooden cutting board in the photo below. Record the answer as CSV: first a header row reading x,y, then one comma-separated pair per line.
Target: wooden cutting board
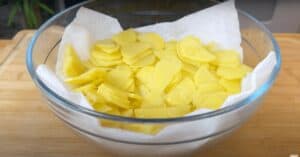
x,y
28,128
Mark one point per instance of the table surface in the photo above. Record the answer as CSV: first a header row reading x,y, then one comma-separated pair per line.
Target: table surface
x,y
28,128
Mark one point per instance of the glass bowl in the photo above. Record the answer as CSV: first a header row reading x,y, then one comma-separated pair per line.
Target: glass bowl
x,y
257,42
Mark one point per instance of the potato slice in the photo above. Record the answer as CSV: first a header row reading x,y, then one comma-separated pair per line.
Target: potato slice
x,y
157,112
182,93
233,73
204,75
133,52
162,112
72,65
191,50
154,39
153,99
164,72
120,77
87,77
212,100
227,58
143,128
171,45
142,90
146,61
101,55
104,63
107,46
231,86
145,74
189,68
177,78
101,107
125,37
127,113
178,111
114,96
212,47
210,87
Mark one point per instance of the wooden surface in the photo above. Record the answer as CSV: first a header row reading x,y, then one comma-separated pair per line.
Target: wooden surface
x,y
28,128
7,46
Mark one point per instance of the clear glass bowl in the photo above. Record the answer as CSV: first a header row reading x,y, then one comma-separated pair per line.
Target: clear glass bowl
x,y
257,43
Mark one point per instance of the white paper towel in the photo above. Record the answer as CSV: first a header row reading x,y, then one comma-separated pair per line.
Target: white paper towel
x,y
216,24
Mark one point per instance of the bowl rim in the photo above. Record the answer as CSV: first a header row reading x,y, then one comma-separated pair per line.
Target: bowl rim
x,y
52,96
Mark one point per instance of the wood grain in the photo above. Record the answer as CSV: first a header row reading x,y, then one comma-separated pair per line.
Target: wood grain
x,y
28,128
7,46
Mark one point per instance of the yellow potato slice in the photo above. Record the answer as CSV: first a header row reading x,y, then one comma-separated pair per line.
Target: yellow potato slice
x,y
212,47
178,111
171,45
162,112
105,108
120,77
203,75
143,90
189,61
131,86
158,53
153,99
169,50
134,96
134,51
227,58
88,65
233,73
107,45
101,55
72,65
157,112
231,86
191,50
140,59
189,68
165,53
246,68
90,92
154,39
145,74
143,128
104,63
210,87
114,96
111,123
182,93
89,76
210,100
88,87
164,72
93,97
125,37
127,113
146,61
213,68
177,78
